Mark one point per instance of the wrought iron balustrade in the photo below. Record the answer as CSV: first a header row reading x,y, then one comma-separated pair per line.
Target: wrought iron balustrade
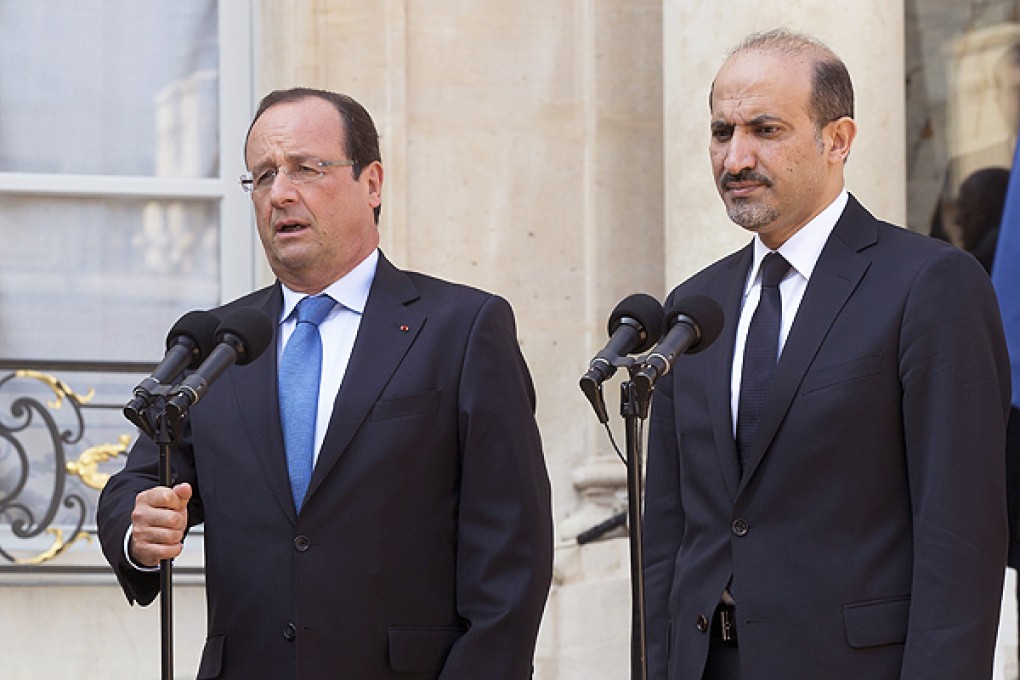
x,y
61,435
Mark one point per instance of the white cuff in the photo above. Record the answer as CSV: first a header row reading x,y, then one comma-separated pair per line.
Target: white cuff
x,y
127,554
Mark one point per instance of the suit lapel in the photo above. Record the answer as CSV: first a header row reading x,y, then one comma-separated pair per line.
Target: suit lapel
x,y
388,329
837,274
721,367
262,415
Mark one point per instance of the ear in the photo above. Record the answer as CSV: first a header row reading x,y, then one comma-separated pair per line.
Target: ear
x,y
372,176
841,134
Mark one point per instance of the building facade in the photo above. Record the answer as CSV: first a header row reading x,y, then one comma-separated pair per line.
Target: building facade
x,y
551,151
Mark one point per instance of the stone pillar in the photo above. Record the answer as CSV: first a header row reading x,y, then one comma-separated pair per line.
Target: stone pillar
x,y
522,145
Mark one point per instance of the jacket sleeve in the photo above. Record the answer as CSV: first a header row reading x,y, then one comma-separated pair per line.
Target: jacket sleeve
x,y
954,373
504,540
113,516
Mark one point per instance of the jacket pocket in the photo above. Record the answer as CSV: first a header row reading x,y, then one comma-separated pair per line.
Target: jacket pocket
x,y
212,657
421,650
879,622
407,405
827,376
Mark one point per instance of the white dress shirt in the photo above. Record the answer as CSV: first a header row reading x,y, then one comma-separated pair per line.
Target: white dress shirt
x,y
338,331
802,251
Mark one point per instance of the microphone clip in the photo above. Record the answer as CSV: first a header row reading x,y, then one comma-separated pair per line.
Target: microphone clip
x,y
139,411
635,393
591,382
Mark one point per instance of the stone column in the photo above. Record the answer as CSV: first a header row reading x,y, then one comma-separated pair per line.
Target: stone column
x,y
522,145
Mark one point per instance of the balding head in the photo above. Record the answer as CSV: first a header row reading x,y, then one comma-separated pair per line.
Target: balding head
x,y
832,92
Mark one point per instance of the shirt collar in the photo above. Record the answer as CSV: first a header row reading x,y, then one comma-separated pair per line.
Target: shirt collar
x,y
351,290
803,249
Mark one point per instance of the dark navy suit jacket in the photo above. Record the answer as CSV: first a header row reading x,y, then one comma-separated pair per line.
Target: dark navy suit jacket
x,y
867,536
424,546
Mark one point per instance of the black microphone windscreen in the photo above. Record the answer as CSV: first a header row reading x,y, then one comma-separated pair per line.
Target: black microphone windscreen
x,y
200,327
706,314
644,309
252,327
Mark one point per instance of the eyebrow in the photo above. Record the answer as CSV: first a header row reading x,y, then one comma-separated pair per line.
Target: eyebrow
x,y
766,118
288,158
757,120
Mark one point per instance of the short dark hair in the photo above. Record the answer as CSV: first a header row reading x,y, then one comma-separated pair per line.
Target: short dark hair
x,y
832,92
361,140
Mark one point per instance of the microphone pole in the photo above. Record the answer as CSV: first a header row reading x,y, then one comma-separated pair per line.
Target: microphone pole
x,y
692,324
631,330
167,428
634,408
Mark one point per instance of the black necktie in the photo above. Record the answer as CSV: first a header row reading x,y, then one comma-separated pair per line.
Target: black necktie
x,y
761,352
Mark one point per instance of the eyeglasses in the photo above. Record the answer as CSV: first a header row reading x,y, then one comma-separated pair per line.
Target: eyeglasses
x,y
298,172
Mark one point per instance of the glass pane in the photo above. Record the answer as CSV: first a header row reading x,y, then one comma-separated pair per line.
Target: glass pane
x,y
102,279
109,87
963,101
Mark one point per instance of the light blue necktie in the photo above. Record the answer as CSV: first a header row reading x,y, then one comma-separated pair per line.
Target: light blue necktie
x,y
300,367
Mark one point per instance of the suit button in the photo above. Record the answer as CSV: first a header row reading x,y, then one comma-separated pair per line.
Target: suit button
x,y
301,543
289,631
702,623
740,527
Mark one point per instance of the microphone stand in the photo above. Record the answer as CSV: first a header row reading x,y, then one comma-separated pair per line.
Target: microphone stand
x,y
634,408
635,398
164,432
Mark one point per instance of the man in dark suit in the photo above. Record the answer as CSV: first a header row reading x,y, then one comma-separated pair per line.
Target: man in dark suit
x,y
847,520
419,544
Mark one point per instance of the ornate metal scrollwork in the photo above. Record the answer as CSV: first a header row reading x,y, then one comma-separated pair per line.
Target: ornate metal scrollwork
x,y
87,465
31,419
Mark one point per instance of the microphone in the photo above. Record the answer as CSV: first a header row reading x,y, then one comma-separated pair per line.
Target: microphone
x,y
243,335
629,326
187,344
691,325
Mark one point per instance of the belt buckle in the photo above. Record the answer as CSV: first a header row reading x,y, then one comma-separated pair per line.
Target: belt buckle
x,y
726,625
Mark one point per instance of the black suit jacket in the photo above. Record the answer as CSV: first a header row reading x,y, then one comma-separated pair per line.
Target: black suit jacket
x,y
867,536
424,545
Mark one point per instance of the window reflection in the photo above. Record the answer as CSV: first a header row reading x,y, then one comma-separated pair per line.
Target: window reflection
x,y
109,87
106,88
963,113
984,101
102,279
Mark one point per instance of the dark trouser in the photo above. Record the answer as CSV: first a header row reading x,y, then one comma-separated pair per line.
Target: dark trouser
x,y
723,655
1013,491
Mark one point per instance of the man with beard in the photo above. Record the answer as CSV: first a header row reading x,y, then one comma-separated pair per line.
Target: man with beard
x,y
825,493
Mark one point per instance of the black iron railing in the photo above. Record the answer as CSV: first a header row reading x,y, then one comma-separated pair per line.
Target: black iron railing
x,y
61,436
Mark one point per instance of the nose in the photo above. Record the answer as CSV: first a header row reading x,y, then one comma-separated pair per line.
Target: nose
x,y
739,153
282,190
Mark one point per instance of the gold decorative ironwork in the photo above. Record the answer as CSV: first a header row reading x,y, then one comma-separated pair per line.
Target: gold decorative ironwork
x,y
18,504
59,545
87,465
59,387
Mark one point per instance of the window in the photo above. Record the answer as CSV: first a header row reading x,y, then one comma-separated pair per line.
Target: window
x,y
114,123
121,131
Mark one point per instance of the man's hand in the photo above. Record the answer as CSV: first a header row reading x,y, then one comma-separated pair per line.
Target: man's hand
x,y
158,523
